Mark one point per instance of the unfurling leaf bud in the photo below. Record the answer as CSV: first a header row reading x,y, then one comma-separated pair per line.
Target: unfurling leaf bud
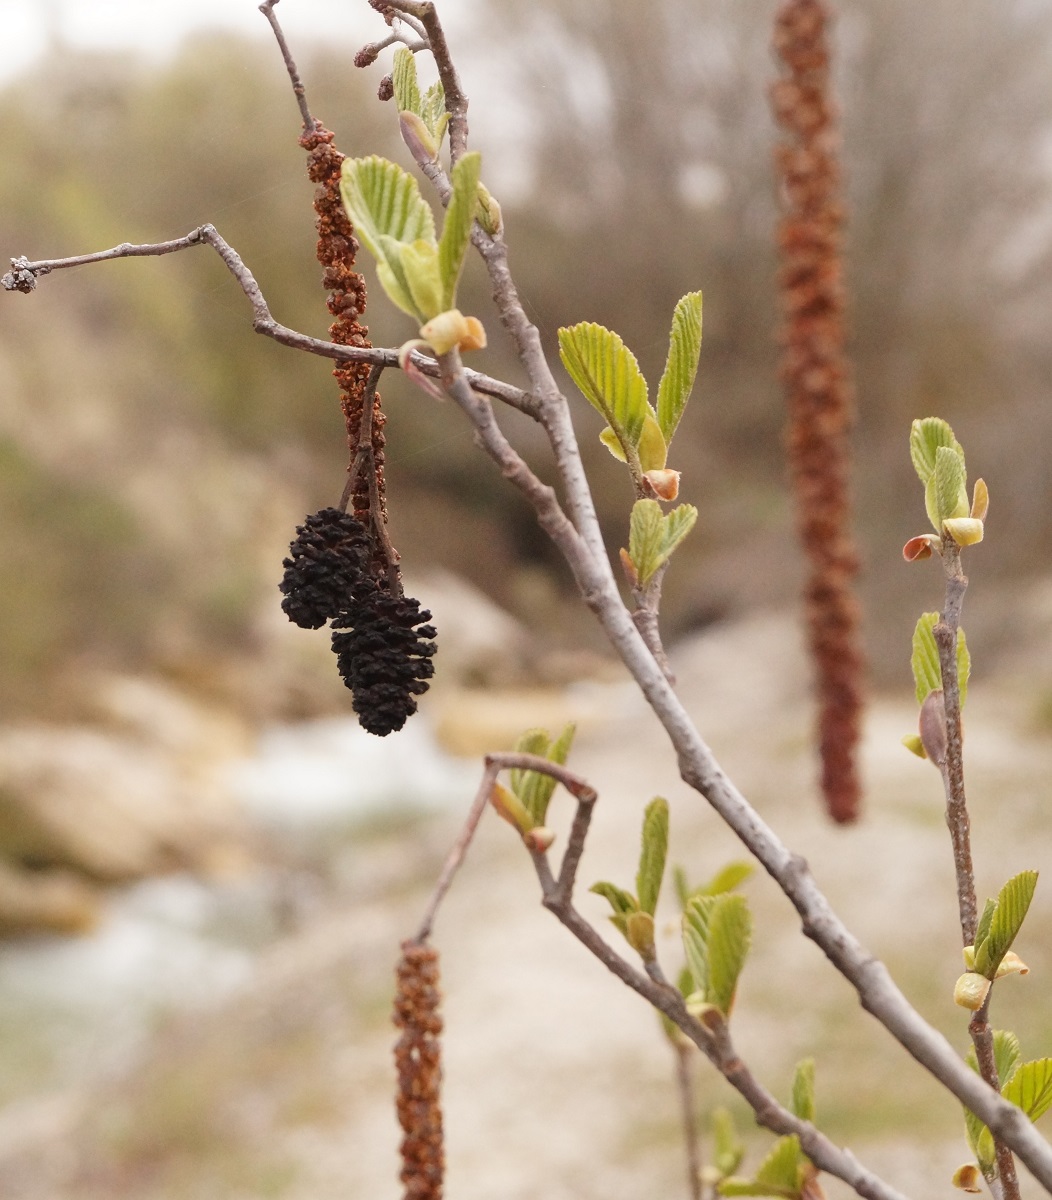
x,y
488,213
971,990
511,808
980,500
629,567
417,138
1011,964
385,91
452,328
914,745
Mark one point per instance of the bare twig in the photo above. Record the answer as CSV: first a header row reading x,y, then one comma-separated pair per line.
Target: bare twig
x,y
957,820
24,274
684,1053
267,9
648,604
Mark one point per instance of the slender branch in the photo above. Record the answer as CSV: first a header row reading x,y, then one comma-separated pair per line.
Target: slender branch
x,y
684,1053
267,9
645,616
959,824
24,275
457,853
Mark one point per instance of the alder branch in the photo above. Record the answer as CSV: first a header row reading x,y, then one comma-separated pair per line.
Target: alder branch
x,y
300,92
24,275
712,1037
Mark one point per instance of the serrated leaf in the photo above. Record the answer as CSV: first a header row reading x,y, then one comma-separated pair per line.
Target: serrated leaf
x,y
645,538
1031,1087
926,436
781,1167
1010,909
608,376
404,82
387,211
948,487
1007,1053
433,111
653,854
728,1149
927,673
730,937
652,449
681,366
695,940
677,524
803,1097
460,217
733,1186
982,929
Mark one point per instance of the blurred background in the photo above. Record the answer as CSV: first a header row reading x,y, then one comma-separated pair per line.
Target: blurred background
x,y
223,863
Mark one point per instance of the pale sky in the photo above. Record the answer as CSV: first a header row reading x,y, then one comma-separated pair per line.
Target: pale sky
x,y
156,27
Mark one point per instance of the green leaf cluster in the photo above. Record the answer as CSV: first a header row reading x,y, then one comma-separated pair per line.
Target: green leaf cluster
x,y
526,804
927,673
1028,1085
717,935
608,376
418,272
786,1170
654,535
726,879
429,107
632,914
938,460
999,924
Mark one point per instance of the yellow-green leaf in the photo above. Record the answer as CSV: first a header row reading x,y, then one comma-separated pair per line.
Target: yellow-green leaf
x,y
726,879
433,111
1010,909
681,366
456,232
1031,1087
653,536
420,262
404,82
653,854
613,443
728,1148
534,788
803,1098
729,939
926,436
927,674
652,449
695,940
608,376
946,493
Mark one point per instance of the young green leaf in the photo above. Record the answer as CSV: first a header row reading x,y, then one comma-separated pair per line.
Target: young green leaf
x,y
1010,909
421,264
1031,1087
695,941
534,788
779,1174
433,111
964,666
681,366
927,674
404,81
726,879
623,903
728,1148
653,536
384,204
653,854
652,448
456,232
926,436
730,936
1006,1055
608,376
946,494
803,1098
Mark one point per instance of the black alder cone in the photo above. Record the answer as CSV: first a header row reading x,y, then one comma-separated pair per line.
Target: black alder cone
x,y
383,653
327,563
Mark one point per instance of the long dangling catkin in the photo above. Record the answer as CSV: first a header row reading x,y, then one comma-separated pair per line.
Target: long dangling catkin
x,y
336,250
816,376
419,1064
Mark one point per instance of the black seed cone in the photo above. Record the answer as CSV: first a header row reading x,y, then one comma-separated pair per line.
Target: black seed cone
x,y
328,561
384,656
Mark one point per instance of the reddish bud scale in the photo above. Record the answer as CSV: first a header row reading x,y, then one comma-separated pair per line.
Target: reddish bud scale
x,y
336,250
418,1059
816,377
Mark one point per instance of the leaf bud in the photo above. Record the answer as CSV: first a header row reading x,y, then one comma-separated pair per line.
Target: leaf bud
x,y
489,214
629,568
367,55
914,745
539,839
980,500
664,482
511,808
639,929
920,547
1011,964
452,329
932,726
417,137
971,990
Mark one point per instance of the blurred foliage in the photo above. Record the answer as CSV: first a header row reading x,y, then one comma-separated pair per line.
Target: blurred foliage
x,y
156,453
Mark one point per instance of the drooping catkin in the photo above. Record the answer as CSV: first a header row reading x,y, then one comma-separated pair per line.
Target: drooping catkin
x,y
817,380
419,1064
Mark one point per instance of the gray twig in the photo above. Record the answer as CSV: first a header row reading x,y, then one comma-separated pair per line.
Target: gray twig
x,y
267,9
